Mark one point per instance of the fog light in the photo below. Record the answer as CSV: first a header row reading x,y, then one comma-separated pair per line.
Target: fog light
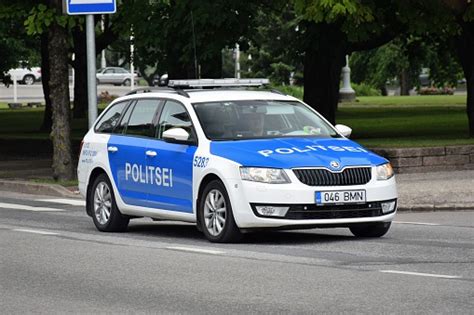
x,y
273,211
388,207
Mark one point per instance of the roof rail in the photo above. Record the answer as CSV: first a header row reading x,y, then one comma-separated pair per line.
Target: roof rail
x,y
217,83
149,89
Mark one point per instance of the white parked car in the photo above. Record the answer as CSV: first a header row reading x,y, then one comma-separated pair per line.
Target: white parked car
x,y
26,75
231,161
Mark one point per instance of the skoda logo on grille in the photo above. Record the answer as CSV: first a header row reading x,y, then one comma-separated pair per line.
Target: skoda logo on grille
x,y
334,165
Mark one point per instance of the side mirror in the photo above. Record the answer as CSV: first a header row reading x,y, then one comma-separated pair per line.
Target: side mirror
x,y
178,135
344,130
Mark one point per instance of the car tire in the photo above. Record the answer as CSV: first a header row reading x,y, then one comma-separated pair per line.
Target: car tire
x,y
377,229
126,82
101,204
28,79
216,216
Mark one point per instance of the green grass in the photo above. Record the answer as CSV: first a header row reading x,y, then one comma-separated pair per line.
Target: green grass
x,y
407,126
398,121
24,123
415,100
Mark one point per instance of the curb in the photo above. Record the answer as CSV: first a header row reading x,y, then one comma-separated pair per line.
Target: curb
x,y
436,207
37,189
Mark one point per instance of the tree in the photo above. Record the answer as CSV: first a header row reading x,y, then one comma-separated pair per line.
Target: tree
x,y
46,18
463,12
274,44
185,38
16,49
334,28
405,57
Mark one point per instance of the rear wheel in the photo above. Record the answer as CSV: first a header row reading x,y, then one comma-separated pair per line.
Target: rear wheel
x,y
102,206
126,82
215,214
377,229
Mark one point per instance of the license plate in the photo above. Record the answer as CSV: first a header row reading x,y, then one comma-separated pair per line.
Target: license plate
x,y
340,197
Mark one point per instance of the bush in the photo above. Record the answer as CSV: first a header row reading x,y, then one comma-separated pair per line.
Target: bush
x,y
105,97
435,91
363,89
293,90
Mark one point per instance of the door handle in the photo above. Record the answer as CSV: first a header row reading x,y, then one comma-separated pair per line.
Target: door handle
x,y
150,153
112,149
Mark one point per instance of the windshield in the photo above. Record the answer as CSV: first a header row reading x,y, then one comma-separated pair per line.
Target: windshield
x,y
235,120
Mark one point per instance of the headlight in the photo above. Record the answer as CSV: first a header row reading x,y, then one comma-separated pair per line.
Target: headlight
x,y
264,175
384,171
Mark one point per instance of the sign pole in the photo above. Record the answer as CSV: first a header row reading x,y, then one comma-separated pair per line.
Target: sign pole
x,y
91,69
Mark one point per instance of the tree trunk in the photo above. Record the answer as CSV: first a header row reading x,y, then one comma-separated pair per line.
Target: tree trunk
x,y
465,48
47,116
404,79
63,168
323,62
80,74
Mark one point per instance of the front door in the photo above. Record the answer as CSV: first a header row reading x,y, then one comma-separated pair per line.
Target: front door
x,y
171,163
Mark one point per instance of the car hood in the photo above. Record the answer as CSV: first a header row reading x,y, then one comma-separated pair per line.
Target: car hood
x,y
330,153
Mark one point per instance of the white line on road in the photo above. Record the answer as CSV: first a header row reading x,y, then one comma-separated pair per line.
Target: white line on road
x,y
71,202
420,274
35,231
27,208
416,223
195,250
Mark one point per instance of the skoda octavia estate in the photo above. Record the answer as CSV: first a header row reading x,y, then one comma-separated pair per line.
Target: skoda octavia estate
x,y
231,161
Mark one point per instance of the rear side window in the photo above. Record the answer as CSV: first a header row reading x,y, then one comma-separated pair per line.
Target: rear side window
x,y
111,118
142,117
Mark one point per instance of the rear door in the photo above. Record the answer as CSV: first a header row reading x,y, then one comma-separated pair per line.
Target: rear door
x,y
172,164
128,152
107,76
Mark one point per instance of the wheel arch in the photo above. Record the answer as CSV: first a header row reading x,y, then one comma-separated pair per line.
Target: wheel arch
x,y
93,175
206,180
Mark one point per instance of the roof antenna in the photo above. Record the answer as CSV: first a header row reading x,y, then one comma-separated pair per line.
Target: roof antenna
x,y
194,47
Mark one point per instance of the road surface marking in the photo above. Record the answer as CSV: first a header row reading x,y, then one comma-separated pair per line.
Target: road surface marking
x,y
420,274
27,208
416,223
71,202
35,231
195,250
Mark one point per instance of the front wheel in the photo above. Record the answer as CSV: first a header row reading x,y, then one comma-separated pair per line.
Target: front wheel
x,y
101,204
28,79
377,229
127,82
215,214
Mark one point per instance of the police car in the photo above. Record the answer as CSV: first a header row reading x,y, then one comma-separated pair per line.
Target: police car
x,y
231,161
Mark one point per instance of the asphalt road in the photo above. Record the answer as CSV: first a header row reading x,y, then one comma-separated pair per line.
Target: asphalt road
x,y
53,260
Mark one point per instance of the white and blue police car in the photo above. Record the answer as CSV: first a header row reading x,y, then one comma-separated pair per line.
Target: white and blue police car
x,y
231,161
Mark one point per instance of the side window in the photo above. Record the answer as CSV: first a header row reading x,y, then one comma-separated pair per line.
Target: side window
x,y
109,71
141,119
175,115
110,119
121,127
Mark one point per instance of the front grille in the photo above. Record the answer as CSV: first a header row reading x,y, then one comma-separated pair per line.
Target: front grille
x,y
311,211
324,177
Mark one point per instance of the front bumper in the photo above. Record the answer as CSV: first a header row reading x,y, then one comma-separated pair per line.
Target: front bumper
x,y
245,195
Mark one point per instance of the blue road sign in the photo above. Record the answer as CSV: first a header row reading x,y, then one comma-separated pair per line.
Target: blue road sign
x,y
76,7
